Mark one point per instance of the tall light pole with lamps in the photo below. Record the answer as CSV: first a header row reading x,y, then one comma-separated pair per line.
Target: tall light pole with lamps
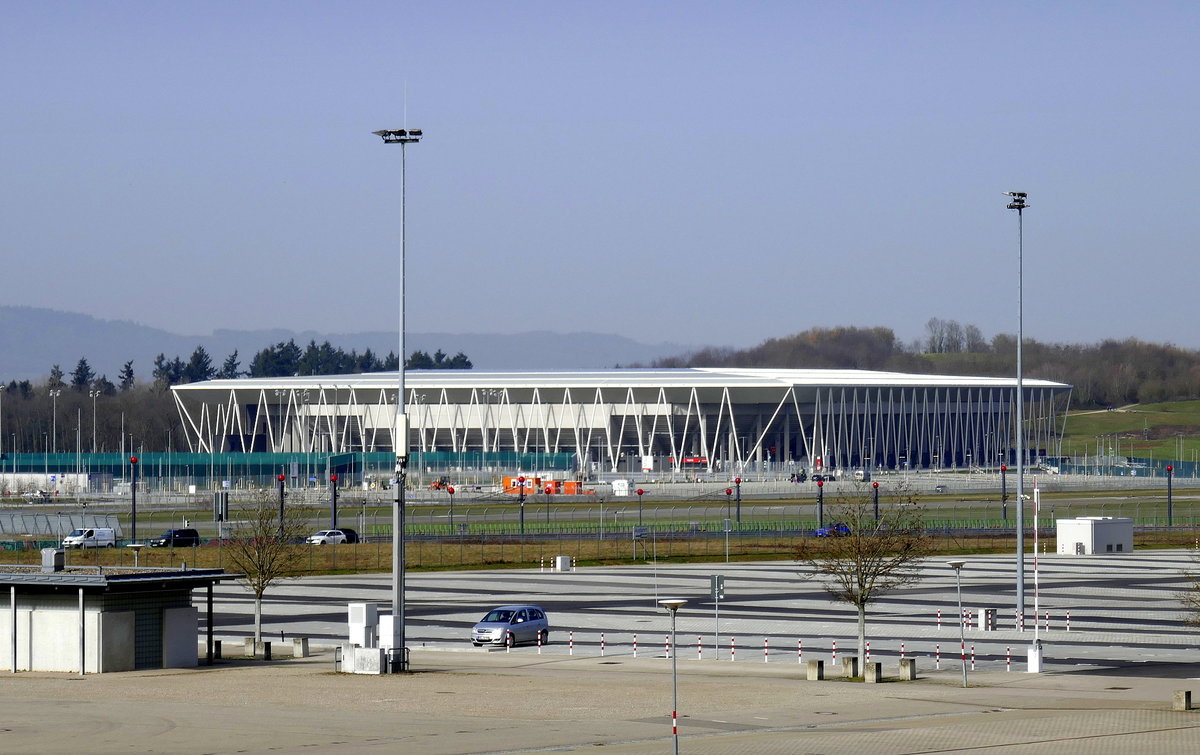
x,y
673,605
1018,204
54,394
403,137
957,566
93,395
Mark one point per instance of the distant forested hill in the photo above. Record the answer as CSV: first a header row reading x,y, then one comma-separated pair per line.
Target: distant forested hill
x,y
1110,373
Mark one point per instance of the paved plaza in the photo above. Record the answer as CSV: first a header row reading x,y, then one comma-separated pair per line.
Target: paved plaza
x,y
1123,612
1108,688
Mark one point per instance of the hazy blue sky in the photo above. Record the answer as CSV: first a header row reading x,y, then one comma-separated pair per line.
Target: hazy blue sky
x,y
698,172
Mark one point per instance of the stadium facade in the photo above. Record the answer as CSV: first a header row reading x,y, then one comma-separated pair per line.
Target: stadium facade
x,y
638,420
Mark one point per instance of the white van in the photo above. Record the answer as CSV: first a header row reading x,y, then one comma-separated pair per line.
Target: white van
x,y
91,537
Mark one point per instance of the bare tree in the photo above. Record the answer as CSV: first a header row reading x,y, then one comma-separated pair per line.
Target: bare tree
x,y
874,556
264,549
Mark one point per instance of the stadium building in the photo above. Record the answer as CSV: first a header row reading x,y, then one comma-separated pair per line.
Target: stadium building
x,y
675,420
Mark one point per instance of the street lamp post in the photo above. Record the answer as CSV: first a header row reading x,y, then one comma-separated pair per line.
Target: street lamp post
x,y
673,605
280,479
93,395
957,566
737,483
54,394
403,137
133,475
521,501
1018,204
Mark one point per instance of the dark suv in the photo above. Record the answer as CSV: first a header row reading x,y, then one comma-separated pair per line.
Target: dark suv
x,y
176,539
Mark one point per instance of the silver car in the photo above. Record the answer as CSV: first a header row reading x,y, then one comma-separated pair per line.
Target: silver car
x,y
520,623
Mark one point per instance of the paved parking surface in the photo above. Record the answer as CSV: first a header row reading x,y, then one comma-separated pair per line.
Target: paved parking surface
x,y
1123,612
1108,689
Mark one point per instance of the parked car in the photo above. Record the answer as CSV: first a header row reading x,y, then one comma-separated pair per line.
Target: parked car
x,y
836,529
333,537
521,623
37,496
181,538
91,537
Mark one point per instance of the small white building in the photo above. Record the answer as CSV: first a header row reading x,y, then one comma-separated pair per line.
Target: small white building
x,y
1089,535
100,619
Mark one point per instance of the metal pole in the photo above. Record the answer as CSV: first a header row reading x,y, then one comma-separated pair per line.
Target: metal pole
x,y
133,467
962,635
1018,204
674,681
400,442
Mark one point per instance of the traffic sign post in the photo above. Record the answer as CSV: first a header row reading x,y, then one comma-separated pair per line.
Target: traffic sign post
x,y
717,591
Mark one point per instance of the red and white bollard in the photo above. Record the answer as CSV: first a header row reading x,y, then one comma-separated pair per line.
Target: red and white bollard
x,y
508,642
542,564
571,643
1068,621
868,658
902,656
635,646
732,649
937,657
667,644
799,651
1008,659
939,619
972,656
962,650
539,643
1047,621
834,656
602,644
699,648
764,649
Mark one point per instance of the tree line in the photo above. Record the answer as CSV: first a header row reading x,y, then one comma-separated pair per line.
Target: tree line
x,y
1106,374
76,408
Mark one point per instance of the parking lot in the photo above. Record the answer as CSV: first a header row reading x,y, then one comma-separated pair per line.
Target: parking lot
x,y
1122,611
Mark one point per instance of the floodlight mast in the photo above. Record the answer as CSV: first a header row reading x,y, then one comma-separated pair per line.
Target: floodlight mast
x,y
403,137
1018,204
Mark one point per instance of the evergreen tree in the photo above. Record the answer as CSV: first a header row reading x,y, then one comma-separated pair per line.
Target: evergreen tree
x,y
231,368
56,378
126,376
105,386
82,376
199,368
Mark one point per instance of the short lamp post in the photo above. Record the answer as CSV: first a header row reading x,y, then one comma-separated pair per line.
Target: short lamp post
x,y
133,473
280,479
521,501
875,495
450,492
1170,509
957,566
820,504
737,483
640,493
673,605
1004,492
333,496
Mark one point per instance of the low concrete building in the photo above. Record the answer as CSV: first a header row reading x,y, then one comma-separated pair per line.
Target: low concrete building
x,y
1088,535
95,619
